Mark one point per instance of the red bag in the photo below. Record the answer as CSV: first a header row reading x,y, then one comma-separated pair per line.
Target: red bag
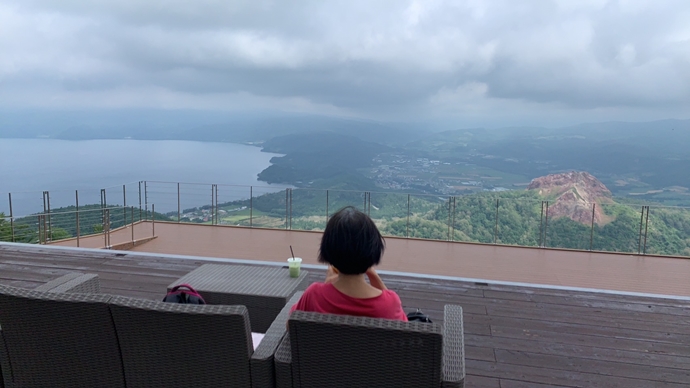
x,y
178,294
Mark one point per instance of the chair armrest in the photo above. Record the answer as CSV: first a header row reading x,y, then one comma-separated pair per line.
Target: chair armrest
x,y
262,360
453,348
73,282
283,364
5,371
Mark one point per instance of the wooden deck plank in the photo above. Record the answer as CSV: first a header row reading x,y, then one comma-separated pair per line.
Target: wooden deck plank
x,y
480,353
633,357
472,381
515,336
507,383
655,333
567,297
564,337
556,377
584,365
600,315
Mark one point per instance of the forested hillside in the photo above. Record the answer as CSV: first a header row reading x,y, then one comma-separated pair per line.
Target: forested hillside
x,y
329,158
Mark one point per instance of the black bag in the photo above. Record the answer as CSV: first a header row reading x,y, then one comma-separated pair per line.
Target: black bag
x,y
179,295
418,316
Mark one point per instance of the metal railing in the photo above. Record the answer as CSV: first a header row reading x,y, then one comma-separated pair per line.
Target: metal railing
x,y
499,219
72,227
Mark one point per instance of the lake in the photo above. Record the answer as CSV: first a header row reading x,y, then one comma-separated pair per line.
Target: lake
x,y
30,166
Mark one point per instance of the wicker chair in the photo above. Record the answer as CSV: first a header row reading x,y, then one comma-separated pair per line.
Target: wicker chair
x,y
326,350
178,345
90,340
71,282
56,339
4,361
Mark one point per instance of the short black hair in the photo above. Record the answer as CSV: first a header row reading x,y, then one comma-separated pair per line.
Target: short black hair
x,y
351,242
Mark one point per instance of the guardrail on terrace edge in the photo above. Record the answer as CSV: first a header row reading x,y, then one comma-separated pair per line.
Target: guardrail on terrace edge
x,y
640,229
49,227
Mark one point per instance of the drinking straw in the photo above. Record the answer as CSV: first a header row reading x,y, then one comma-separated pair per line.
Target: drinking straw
x,y
293,253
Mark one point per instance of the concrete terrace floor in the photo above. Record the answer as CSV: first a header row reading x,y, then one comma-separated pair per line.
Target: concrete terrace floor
x,y
516,336
596,270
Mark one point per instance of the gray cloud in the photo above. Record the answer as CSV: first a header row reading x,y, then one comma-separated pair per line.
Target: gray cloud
x,y
390,60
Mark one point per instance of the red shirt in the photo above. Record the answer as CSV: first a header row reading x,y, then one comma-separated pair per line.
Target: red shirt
x,y
325,298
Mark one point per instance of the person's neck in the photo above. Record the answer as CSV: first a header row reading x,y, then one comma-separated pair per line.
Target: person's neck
x,y
355,286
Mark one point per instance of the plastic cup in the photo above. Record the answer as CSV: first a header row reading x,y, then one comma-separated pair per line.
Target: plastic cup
x,y
294,264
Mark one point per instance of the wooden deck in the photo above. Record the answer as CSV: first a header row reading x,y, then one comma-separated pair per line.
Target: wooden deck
x,y
515,336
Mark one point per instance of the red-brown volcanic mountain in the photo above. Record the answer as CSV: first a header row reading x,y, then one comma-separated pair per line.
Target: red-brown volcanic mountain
x,y
575,193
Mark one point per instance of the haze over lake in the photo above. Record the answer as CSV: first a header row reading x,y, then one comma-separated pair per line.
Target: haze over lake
x,y
30,166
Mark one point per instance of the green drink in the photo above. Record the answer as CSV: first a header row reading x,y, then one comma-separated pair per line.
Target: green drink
x,y
294,266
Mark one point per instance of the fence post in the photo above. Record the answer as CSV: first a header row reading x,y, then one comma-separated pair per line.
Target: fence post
x,y
45,205
76,202
11,217
124,204
50,219
139,201
496,227
541,224
646,224
287,191
452,229
408,216
178,202
546,223
212,204
132,226
290,209
448,238
214,200
103,214
153,219
639,235
591,233
46,210
251,205
146,200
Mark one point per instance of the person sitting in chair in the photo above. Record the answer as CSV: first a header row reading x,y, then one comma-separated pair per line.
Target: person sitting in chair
x,y
351,245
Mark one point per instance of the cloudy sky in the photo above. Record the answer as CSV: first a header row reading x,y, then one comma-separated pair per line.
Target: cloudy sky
x,y
467,63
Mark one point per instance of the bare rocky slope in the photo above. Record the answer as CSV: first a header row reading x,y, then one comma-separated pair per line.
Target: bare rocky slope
x,y
574,194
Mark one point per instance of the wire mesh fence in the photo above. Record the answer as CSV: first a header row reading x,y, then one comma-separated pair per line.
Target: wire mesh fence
x,y
390,211
666,230
614,227
73,225
309,209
